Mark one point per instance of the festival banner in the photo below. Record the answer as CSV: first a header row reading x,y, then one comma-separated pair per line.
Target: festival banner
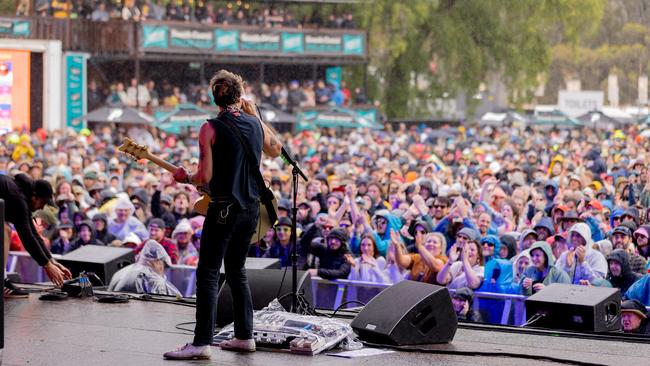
x,y
191,38
155,36
248,41
75,89
259,41
226,40
292,42
334,75
15,28
323,43
353,44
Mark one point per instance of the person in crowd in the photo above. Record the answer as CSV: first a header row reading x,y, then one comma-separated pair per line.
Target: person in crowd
x,y
519,264
86,235
424,265
147,275
157,233
581,262
63,243
542,272
491,247
124,221
100,221
622,239
620,273
640,290
641,238
507,250
634,318
370,266
332,256
281,246
182,237
463,302
465,265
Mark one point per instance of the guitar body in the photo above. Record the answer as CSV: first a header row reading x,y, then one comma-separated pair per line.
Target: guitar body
x,y
201,205
263,222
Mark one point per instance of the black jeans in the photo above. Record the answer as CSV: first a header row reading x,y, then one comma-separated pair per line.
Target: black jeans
x,y
224,238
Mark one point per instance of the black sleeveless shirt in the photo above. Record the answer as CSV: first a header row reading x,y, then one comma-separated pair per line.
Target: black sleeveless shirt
x,y
231,173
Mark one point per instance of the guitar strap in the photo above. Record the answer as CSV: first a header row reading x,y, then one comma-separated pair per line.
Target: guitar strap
x,y
266,195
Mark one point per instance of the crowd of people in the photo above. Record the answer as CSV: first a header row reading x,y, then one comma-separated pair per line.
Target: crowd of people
x,y
205,12
285,96
507,210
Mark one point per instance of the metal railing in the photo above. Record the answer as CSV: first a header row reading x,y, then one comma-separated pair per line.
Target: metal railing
x,y
184,278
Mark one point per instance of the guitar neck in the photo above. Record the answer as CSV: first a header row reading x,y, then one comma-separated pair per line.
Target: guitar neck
x,y
162,163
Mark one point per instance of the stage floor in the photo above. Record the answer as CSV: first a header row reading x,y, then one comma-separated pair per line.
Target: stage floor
x,y
85,332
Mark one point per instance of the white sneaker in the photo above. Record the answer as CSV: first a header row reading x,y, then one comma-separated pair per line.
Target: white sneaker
x,y
189,352
244,345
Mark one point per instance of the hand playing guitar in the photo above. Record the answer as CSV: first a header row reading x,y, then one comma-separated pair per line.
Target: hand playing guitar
x,y
181,175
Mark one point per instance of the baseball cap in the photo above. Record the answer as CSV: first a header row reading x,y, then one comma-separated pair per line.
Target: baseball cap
x,y
464,293
43,189
622,230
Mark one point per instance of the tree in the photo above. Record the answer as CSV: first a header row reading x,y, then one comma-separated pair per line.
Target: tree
x,y
423,49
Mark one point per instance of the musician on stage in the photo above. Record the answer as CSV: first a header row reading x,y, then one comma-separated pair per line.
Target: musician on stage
x,y
22,197
232,215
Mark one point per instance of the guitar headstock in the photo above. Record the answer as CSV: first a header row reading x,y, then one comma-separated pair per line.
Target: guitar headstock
x,y
134,149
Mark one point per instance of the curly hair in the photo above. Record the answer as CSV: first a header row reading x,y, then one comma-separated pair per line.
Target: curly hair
x,y
227,88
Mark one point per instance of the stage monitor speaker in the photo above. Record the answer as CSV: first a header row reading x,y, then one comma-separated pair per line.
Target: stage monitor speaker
x,y
265,285
408,313
573,307
258,263
103,261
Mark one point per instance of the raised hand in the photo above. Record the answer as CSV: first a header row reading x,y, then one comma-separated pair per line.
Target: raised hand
x,y
528,282
454,253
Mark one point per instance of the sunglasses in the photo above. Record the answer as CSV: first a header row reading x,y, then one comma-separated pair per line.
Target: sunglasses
x,y
283,229
440,206
421,231
488,244
344,225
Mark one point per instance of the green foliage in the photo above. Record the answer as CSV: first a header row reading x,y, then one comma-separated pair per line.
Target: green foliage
x,y
423,49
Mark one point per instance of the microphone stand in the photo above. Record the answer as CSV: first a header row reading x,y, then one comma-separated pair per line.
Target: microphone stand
x,y
294,245
295,172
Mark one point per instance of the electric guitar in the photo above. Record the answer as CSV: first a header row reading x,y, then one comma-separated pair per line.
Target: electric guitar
x,y
138,151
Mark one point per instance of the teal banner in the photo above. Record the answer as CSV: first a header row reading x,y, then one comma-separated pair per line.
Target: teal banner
x,y
16,28
259,41
368,114
191,38
334,75
155,36
353,44
75,89
292,42
226,40
245,41
322,43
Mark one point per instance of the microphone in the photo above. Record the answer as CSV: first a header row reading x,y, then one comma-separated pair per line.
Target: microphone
x,y
286,157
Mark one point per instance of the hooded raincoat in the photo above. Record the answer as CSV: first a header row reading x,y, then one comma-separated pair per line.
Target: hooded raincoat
x,y
592,268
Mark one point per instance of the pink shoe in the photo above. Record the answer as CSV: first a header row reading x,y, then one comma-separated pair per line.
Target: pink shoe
x,y
243,345
189,352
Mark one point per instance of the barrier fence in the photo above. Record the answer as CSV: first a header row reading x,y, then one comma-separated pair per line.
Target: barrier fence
x,y
505,309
